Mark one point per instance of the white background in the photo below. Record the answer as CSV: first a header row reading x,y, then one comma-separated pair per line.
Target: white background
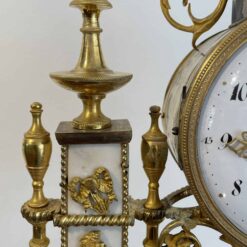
x,y
38,37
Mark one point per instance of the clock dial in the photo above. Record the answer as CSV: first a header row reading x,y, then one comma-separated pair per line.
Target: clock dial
x,y
223,120
205,119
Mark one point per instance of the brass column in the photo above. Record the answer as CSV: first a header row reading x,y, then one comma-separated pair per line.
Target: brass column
x,y
37,152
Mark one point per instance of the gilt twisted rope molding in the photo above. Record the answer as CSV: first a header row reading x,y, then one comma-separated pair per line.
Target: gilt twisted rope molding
x,y
199,26
125,192
64,193
93,220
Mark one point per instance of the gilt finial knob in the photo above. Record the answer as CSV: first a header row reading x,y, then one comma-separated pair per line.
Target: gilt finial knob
x,y
36,107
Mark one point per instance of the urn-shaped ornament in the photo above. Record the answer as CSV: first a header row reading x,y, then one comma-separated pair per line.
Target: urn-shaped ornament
x,y
154,155
37,152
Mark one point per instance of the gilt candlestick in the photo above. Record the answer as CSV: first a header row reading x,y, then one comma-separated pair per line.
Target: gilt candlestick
x,y
91,78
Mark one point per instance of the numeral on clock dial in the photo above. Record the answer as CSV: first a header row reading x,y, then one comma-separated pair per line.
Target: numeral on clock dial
x,y
208,140
225,139
237,186
240,92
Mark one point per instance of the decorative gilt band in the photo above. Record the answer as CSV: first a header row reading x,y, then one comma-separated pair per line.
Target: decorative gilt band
x,y
93,220
64,192
125,180
143,214
64,179
41,215
125,175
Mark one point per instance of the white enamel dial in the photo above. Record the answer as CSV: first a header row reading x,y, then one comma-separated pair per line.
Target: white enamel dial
x,y
223,118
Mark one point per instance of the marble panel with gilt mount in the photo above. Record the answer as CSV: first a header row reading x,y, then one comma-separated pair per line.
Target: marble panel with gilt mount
x,y
96,177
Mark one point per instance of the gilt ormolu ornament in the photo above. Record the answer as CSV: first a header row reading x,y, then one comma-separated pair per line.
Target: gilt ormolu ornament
x,y
154,152
37,152
95,192
92,239
154,156
91,78
199,26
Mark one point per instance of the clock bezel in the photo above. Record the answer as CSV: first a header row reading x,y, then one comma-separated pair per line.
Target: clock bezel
x,y
190,115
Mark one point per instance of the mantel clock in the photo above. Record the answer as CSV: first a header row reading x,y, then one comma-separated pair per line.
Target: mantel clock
x,y
205,130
